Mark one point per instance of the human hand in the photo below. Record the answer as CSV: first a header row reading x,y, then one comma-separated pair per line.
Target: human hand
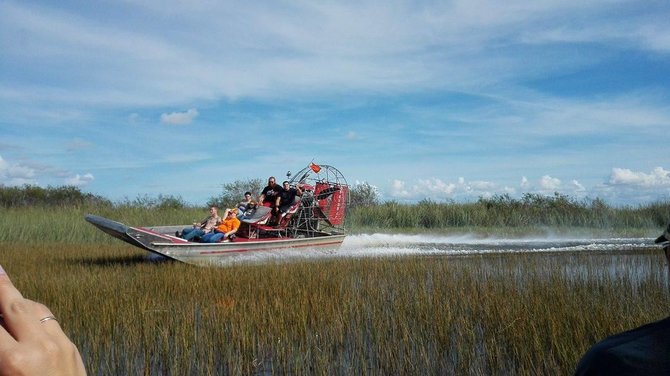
x,y
31,340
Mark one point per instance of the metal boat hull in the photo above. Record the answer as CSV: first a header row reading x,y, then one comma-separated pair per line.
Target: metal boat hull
x,y
158,240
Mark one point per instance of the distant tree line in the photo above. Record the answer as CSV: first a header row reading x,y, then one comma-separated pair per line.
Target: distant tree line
x,y
233,193
32,195
71,196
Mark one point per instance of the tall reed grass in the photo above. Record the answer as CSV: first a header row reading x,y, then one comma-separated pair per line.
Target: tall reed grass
x,y
517,314
533,212
37,224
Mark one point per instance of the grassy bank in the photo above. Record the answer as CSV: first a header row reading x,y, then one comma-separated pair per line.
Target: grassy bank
x,y
512,314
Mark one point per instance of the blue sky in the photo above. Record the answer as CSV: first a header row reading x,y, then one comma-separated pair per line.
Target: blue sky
x,y
447,100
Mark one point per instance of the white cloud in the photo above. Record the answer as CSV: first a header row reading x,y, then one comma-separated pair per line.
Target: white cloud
x,y
467,190
398,189
524,183
80,180
624,186
437,189
547,183
481,186
659,177
275,49
16,174
577,187
180,118
29,172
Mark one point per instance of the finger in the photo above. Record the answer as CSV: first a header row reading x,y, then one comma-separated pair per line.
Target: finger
x,y
21,320
48,320
6,339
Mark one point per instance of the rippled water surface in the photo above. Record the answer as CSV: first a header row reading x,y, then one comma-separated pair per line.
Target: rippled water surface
x,y
577,258
397,244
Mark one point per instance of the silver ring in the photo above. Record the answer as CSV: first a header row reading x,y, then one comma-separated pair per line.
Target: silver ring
x,y
45,319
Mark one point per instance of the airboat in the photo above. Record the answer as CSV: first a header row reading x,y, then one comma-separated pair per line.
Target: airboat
x,y
314,223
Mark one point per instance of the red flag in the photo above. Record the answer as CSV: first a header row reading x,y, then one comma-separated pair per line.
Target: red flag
x,y
315,167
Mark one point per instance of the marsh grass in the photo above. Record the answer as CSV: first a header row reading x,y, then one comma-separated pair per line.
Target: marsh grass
x,y
525,314
498,314
65,224
37,225
531,214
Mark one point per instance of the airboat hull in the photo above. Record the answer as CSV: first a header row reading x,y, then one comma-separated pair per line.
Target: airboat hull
x,y
158,240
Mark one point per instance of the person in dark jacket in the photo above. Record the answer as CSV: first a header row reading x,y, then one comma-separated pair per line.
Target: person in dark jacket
x,y
287,196
640,351
270,195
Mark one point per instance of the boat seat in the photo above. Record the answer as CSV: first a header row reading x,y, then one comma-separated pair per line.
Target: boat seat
x,y
286,217
259,215
254,227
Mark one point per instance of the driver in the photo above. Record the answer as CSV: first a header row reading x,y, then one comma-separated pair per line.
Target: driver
x,y
287,196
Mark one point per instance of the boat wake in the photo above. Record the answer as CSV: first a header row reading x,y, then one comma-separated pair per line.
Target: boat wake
x,y
372,245
394,245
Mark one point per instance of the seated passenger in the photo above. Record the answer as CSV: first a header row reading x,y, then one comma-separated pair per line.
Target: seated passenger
x,y
246,205
202,228
287,196
225,230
